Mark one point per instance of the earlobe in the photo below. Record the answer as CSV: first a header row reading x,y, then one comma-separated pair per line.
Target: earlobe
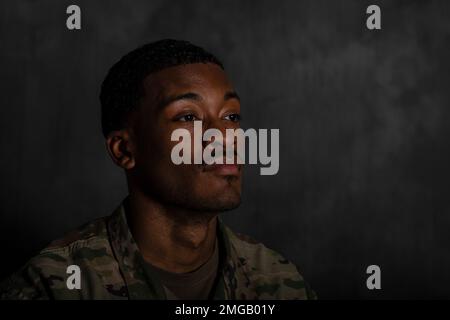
x,y
119,148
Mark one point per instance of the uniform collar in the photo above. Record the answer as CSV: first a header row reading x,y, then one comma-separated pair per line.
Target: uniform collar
x,y
142,285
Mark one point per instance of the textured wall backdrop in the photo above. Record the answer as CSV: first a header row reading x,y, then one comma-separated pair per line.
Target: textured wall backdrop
x,y
363,118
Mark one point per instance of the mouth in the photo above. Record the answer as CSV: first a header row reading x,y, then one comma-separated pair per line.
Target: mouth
x,y
223,169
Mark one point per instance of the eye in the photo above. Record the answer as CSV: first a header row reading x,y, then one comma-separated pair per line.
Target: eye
x,y
187,118
235,117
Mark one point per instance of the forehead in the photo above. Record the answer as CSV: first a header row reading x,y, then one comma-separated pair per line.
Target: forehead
x,y
201,78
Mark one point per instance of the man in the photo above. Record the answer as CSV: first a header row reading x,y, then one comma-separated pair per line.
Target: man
x,y
165,241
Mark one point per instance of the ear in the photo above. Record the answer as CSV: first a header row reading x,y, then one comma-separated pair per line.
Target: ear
x,y
120,148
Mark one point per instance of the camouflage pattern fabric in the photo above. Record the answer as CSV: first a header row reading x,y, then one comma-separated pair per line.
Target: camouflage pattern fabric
x,y
112,268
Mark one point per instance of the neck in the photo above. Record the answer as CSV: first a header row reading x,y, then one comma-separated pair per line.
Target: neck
x,y
171,238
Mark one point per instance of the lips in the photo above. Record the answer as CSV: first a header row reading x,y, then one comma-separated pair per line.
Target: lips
x,y
223,169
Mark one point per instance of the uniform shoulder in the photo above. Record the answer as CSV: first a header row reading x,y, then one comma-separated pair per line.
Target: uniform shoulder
x,y
259,257
88,233
87,241
272,274
46,273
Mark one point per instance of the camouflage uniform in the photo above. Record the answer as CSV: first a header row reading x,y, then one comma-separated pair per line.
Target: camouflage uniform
x,y
112,268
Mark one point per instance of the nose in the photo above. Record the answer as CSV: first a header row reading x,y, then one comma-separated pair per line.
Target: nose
x,y
225,141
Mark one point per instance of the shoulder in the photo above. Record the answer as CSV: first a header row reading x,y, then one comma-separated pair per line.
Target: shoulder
x,y
86,243
270,274
44,276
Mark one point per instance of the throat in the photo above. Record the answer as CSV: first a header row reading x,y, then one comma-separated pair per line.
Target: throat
x,y
182,251
171,239
173,246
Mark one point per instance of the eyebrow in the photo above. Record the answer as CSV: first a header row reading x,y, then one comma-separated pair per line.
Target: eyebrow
x,y
231,95
194,97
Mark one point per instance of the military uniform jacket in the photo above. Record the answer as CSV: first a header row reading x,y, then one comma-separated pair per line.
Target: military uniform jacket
x,y
111,267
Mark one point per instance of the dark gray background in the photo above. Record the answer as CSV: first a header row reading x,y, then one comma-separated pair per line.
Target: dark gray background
x,y
363,118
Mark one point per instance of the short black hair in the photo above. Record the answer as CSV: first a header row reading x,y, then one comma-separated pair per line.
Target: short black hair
x,y
123,85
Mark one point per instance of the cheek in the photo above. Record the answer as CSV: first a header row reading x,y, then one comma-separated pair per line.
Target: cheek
x,y
158,157
186,143
154,141
155,151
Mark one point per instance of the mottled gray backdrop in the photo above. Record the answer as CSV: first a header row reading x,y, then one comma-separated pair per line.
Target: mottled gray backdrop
x,y
363,118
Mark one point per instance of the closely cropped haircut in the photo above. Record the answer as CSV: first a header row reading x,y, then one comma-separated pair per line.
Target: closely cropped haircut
x,y
123,88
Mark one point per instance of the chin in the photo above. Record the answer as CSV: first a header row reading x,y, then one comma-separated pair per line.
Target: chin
x,y
219,200
226,199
